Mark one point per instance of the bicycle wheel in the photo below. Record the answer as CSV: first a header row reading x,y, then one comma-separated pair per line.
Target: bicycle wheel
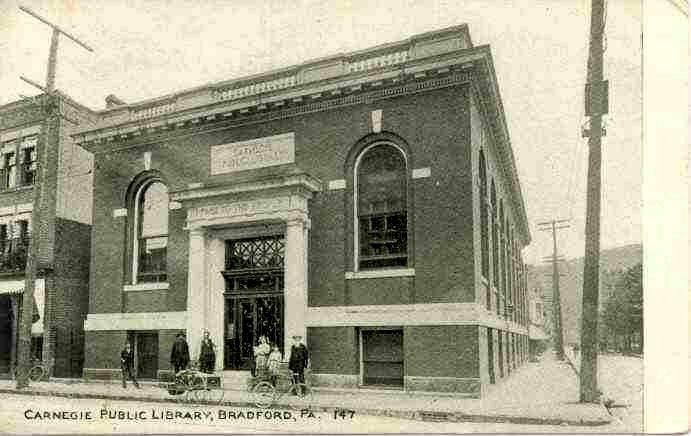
x,y
211,396
36,373
263,395
17,373
302,395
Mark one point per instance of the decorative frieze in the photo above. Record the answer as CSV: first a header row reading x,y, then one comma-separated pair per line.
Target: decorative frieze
x,y
239,208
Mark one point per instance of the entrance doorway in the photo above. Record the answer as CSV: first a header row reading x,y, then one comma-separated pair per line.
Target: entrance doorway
x,y
6,334
146,349
254,304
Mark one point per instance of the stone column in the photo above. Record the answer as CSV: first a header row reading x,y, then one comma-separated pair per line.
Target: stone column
x,y
295,280
196,290
215,302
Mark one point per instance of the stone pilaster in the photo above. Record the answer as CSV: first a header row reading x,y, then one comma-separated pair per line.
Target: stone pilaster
x,y
295,280
196,290
215,302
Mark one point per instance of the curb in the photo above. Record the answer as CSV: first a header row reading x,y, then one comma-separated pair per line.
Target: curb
x,y
416,415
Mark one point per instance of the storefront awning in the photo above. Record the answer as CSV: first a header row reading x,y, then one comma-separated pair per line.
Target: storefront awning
x,y
16,287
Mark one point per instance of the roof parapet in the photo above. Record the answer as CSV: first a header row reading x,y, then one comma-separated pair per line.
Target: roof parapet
x,y
382,56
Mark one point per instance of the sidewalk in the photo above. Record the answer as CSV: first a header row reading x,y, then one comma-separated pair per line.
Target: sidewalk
x,y
538,393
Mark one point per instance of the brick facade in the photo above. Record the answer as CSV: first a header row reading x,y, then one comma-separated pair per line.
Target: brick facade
x,y
63,240
440,113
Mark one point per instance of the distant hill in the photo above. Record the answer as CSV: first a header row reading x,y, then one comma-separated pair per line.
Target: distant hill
x,y
613,261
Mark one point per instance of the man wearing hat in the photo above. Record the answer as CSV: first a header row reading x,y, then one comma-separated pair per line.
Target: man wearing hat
x,y
299,358
180,355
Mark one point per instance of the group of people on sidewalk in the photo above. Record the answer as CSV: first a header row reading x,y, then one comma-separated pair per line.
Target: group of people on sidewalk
x,y
267,358
179,358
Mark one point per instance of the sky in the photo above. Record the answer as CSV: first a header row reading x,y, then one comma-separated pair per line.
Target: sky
x,y
148,48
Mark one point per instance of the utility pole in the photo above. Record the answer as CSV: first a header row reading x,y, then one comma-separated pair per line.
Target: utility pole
x,y
596,105
53,109
556,294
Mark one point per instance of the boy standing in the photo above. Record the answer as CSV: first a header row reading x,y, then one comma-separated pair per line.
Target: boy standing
x,y
127,364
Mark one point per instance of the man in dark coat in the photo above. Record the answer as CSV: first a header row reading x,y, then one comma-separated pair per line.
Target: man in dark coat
x,y
127,365
299,358
180,356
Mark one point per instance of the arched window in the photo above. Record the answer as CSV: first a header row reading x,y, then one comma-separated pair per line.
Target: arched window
x,y
502,255
151,232
495,240
484,231
381,207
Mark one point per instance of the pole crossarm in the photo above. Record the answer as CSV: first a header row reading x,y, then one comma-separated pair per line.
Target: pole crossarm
x,y
55,27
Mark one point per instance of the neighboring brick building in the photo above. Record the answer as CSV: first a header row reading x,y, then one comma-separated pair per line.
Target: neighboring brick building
x,y
367,201
61,292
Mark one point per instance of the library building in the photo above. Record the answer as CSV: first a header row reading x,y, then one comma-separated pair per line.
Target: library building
x,y
368,202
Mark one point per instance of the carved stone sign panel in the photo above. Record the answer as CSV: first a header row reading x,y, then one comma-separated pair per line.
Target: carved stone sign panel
x,y
255,153
239,208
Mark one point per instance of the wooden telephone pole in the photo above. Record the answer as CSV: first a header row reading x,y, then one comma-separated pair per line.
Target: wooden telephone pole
x,y
53,107
596,104
556,294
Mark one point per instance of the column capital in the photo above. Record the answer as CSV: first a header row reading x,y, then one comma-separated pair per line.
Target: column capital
x,y
197,231
305,222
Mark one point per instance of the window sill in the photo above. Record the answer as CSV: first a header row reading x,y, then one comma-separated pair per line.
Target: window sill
x,y
380,273
153,286
17,188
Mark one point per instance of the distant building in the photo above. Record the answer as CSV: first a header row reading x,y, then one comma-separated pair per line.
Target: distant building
x,y
61,292
536,329
368,202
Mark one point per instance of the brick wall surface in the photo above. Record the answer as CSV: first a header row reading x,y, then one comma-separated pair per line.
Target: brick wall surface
x,y
442,351
333,350
435,128
102,349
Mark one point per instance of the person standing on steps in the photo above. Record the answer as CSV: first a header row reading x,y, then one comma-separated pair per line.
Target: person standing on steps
x,y
207,354
299,359
127,365
180,356
261,355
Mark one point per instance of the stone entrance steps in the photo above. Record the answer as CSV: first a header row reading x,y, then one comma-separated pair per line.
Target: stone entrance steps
x,y
235,380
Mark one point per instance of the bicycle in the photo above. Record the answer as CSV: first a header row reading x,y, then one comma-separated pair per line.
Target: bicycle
x,y
37,371
265,394
198,387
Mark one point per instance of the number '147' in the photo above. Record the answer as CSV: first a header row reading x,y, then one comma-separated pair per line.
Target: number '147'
x,y
343,413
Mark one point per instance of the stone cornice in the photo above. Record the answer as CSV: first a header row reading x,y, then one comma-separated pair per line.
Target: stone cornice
x,y
219,118
301,181
287,83
486,88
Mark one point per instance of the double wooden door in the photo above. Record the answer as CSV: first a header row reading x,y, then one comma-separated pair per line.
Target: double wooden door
x,y
248,317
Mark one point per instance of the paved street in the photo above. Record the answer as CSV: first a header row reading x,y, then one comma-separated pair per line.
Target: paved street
x,y
538,389
621,379
13,409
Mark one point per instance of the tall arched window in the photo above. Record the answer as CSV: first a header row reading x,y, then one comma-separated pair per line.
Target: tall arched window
x,y
381,207
151,228
502,255
495,240
484,205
